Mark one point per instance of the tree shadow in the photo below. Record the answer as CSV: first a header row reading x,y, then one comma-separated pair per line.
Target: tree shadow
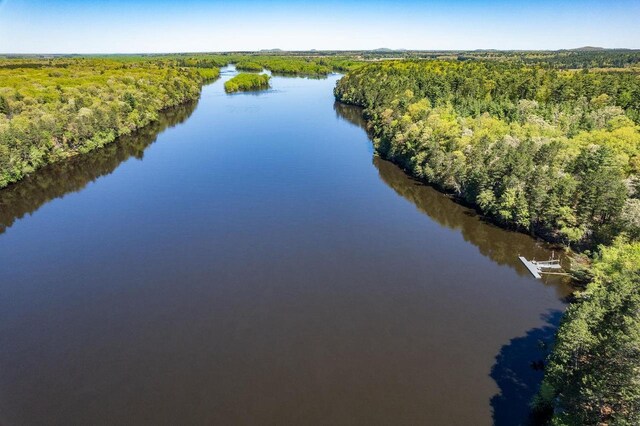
x,y
518,372
75,173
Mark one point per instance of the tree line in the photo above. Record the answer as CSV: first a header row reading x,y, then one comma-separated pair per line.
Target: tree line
x,y
294,65
555,153
53,109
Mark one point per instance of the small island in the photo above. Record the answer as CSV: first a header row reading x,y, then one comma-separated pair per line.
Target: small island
x,y
246,81
249,66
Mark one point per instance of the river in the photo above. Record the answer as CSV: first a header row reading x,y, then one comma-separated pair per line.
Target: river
x,y
248,260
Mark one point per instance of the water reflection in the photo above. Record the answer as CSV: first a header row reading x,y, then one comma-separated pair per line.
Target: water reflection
x,y
350,113
306,76
498,244
56,180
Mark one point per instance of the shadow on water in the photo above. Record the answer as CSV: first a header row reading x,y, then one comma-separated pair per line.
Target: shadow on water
x,y
500,245
351,113
56,180
518,372
253,92
292,75
518,368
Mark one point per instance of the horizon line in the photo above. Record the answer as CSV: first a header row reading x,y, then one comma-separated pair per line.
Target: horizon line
x,y
276,50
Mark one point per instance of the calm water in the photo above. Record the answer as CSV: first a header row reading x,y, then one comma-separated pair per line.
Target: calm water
x,y
248,260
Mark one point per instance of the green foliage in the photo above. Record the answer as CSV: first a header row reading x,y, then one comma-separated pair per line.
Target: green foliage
x,y
208,74
631,217
593,375
4,106
294,65
537,149
246,81
56,108
72,175
601,191
249,66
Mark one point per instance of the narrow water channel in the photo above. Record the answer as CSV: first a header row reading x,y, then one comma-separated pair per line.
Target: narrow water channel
x,y
248,260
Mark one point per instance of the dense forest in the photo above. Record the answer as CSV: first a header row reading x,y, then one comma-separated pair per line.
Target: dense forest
x,y
53,109
587,57
592,376
565,59
553,152
247,81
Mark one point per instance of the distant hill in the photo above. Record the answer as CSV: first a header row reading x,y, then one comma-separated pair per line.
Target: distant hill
x,y
271,50
386,49
588,49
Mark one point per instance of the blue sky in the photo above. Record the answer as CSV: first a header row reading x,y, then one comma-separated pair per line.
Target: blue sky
x,y
119,26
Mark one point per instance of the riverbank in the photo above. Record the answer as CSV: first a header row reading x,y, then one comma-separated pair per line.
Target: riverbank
x,y
525,163
514,160
55,180
54,110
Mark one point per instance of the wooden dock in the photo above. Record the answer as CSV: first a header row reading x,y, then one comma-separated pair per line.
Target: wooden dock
x,y
532,267
536,267
547,264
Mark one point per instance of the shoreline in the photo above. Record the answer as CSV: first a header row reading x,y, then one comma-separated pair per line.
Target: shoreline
x,y
109,140
554,244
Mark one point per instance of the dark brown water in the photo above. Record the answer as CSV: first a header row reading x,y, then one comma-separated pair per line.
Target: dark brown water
x,y
249,261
